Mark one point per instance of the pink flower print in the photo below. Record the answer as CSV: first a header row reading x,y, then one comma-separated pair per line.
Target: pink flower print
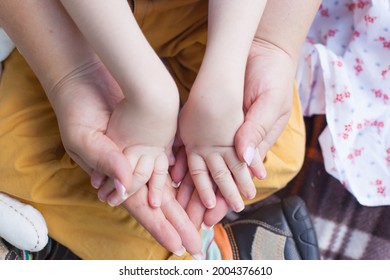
x,y
378,93
333,151
387,158
369,19
347,94
330,33
345,136
385,43
378,124
385,98
359,126
324,12
338,63
380,188
384,73
358,69
348,128
356,34
358,66
358,152
362,4
339,98
351,6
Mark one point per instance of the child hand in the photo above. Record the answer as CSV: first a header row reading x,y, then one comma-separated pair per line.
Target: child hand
x,y
207,124
145,132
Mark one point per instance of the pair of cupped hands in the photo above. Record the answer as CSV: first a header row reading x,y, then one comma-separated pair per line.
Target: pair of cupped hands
x,y
136,159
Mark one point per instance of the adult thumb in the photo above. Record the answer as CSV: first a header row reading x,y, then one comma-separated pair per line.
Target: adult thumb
x,y
105,159
251,134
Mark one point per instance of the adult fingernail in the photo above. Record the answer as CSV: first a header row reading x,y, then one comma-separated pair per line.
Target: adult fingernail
x,y
96,180
249,154
263,171
251,194
114,201
120,188
176,185
198,257
238,206
206,227
180,252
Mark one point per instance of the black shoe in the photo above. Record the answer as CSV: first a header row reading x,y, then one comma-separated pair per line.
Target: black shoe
x,y
281,230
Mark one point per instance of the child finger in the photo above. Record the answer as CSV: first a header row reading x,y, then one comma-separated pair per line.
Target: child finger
x,y
158,180
241,174
202,180
142,172
224,180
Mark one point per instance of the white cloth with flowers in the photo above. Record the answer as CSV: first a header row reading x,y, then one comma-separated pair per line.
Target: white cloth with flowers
x,y
344,73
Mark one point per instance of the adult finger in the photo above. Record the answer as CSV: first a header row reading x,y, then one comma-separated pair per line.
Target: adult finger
x,y
178,217
103,156
215,215
154,221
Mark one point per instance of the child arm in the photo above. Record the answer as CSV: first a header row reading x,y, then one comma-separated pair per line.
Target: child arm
x,y
214,110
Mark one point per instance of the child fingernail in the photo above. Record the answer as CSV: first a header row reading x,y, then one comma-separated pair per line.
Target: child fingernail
x,y
249,154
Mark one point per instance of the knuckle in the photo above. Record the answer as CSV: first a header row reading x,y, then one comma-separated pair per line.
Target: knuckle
x,y
141,175
239,167
196,172
221,175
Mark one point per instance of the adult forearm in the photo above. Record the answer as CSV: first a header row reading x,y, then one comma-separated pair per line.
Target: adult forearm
x,y
285,24
46,37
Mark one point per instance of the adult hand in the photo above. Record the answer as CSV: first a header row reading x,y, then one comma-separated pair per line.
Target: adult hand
x,y
268,95
169,224
83,102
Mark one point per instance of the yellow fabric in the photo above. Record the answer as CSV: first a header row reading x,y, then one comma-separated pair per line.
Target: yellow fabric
x,y
36,169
